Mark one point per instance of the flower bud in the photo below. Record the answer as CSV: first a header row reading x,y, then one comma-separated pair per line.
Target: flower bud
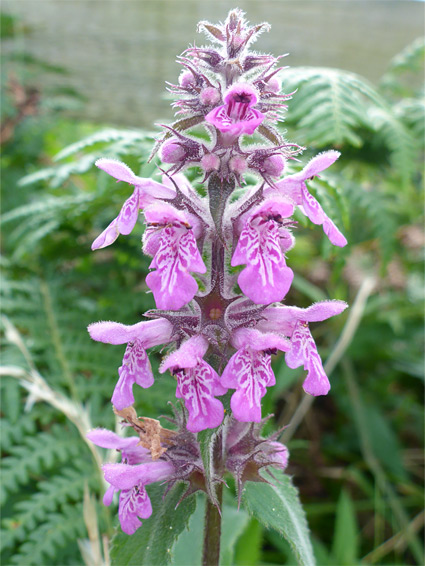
x,y
273,85
210,162
172,152
210,96
274,165
238,165
186,79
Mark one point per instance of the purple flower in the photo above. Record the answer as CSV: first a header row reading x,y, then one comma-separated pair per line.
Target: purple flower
x,y
197,384
249,371
294,187
237,115
171,239
146,191
293,322
131,453
136,367
131,480
278,453
261,246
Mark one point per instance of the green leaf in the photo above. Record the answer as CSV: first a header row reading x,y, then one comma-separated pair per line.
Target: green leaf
x,y
345,543
153,543
278,507
188,548
248,547
234,523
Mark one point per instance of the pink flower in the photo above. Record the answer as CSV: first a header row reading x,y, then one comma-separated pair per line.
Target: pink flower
x,y
131,452
131,480
146,191
136,367
294,187
293,322
171,239
237,115
261,246
197,383
249,371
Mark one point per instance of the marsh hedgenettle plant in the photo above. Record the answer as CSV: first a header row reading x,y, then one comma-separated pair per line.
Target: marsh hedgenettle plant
x,y
221,325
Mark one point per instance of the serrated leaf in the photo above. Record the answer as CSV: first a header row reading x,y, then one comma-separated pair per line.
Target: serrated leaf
x,y
344,547
278,507
153,543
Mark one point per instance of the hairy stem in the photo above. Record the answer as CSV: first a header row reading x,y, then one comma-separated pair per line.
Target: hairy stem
x,y
212,531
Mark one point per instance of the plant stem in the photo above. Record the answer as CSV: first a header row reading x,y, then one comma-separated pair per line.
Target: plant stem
x,y
212,531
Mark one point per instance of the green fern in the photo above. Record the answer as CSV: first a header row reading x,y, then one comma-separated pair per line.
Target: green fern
x,y
126,137
36,455
12,434
43,544
67,485
329,106
334,108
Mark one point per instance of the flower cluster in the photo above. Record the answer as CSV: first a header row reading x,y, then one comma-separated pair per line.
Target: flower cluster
x,y
221,325
178,459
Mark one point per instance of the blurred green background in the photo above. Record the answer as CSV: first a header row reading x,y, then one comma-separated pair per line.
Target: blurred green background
x,y
85,79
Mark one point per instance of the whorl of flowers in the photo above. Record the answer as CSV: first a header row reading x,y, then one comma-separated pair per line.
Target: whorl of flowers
x,y
221,326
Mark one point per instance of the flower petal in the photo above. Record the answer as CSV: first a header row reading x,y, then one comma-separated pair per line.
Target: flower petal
x,y
266,278
150,333
134,503
107,237
304,352
316,214
317,164
171,283
123,476
197,387
127,218
259,341
250,373
283,319
188,355
135,368
109,495
117,169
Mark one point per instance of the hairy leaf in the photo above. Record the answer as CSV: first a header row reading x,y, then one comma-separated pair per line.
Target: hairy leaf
x,y
153,543
278,507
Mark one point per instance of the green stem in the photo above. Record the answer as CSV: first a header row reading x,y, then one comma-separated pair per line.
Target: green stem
x,y
212,531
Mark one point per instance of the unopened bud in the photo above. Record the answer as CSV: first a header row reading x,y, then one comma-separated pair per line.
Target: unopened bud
x,y
210,162
186,79
172,152
210,96
238,165
273,85
274,165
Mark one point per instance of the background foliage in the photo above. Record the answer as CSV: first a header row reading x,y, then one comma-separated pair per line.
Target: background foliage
x,y
356,456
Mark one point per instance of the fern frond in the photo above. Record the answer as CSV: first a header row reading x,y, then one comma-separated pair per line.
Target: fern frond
x,y
332,107
56,176
412,112
12,434
104,136
66,486
397,138
44,542
410,59
36,455
329,107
